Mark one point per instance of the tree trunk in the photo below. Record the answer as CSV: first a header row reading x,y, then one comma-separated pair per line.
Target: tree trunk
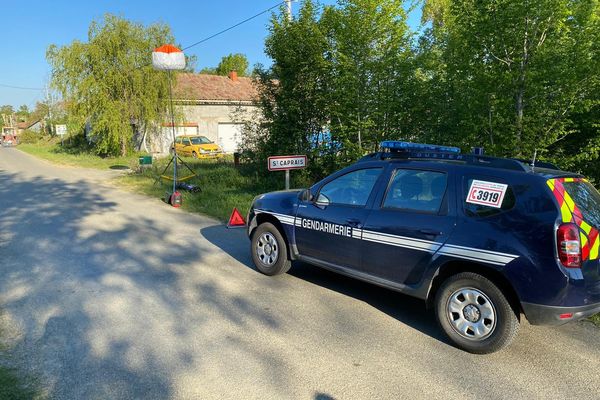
x,y
519,106
123,147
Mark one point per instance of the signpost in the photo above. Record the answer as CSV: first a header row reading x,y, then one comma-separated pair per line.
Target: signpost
x,y
286,163
61,130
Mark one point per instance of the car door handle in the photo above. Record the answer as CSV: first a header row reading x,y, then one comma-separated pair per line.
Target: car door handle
x,y
430,232
354,223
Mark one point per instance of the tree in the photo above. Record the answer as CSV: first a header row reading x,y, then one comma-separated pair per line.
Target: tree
x,y
23,113
109,82
372,74
512,72
233,62
293,93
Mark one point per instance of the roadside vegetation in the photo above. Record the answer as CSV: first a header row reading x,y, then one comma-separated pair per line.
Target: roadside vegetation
x,y
71,153
12,385
222,185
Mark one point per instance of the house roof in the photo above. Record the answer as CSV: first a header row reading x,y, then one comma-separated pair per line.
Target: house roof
x,y
204,87
27,124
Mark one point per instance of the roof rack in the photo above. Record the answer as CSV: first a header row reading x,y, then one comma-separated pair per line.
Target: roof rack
x,y
391,149
471,159
538,164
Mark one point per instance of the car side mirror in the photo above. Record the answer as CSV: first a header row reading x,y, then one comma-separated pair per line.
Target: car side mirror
x,y
322,201
305,195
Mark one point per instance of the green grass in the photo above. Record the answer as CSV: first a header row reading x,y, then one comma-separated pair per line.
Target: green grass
x,y
12,385
222,186
52,150
595,319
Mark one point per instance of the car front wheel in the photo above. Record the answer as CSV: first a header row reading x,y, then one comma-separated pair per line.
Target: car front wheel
x,y
474,314
269,251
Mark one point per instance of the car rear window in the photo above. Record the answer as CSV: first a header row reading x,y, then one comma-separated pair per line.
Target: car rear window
x,y
587,199
200,140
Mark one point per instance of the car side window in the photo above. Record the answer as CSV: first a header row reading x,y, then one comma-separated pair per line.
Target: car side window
x,y
416,190
178,140
353,188
186,141
478,210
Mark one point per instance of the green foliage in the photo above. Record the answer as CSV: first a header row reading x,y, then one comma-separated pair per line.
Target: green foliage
x,y
29,137
13,388
512,76
233,62
7,109
23,113
208,71
512,72
109,82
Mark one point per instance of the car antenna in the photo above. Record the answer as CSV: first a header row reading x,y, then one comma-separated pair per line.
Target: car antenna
x,y
533,161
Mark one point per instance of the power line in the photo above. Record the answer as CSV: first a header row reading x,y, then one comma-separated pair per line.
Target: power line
x,y
235,26
192,45
20,87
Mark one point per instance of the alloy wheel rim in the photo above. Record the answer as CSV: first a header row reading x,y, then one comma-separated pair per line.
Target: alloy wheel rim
x,y
471,314
267,249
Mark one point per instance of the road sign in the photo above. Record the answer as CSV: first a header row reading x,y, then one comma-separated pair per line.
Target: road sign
x,y
285,163
61,130
282,163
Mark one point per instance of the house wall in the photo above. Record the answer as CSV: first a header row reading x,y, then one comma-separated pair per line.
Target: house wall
x,y
207,116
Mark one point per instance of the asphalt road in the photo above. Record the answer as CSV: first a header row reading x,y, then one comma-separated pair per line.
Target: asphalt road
x,y
111,295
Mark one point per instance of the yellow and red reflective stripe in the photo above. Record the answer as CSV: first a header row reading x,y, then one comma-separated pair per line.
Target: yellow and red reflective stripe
x,y
570,213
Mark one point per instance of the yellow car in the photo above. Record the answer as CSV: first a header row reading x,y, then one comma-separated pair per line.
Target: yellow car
x,y
197,147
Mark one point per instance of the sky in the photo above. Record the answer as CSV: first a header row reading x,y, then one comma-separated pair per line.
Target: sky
x,y
29,27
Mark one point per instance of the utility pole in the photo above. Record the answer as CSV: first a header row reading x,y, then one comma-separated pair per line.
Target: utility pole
x,y
289,9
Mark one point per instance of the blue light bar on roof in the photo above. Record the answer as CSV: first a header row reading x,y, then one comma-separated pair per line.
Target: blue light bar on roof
x,y
408,146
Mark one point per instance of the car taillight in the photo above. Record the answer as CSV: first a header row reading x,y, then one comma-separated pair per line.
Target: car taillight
x,y
569,246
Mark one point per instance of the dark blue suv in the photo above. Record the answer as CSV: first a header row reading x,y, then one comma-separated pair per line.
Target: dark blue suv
x,y
482,240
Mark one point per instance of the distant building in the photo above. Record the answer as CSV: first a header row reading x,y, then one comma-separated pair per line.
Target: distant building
x,y
213,106
35,125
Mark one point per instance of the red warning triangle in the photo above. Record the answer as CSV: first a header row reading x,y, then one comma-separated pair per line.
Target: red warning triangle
x,y
236,219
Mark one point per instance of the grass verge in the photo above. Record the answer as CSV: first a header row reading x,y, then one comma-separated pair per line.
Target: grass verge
x,y
12,385
52,150
222,186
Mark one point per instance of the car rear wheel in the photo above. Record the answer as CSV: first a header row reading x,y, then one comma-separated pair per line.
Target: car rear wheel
x,y
269,251
474,314
194,154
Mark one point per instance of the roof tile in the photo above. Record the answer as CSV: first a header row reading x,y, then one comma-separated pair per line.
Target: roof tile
x,y
214,87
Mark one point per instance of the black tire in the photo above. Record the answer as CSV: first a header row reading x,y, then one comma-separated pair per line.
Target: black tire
x,y
268,234
503,323
194,154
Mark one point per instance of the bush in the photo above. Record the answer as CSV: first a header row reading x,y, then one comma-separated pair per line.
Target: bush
x,y
29,137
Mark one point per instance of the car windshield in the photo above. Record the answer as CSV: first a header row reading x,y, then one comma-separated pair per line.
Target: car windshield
x,y
587,199
200,140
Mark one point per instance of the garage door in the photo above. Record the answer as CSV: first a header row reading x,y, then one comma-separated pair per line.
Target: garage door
x,y
229,137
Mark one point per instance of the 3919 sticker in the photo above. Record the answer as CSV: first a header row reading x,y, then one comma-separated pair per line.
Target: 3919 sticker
x,y
489,194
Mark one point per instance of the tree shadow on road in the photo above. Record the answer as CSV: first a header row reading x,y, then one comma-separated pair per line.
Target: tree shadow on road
x,y
108,304
405,309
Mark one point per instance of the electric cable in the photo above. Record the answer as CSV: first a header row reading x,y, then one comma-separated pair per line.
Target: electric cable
x,y
234,26
20,87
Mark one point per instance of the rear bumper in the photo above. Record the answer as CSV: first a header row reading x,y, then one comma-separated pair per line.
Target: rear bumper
x,y
538,314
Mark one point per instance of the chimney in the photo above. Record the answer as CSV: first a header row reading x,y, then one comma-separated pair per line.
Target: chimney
x,y
233,76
